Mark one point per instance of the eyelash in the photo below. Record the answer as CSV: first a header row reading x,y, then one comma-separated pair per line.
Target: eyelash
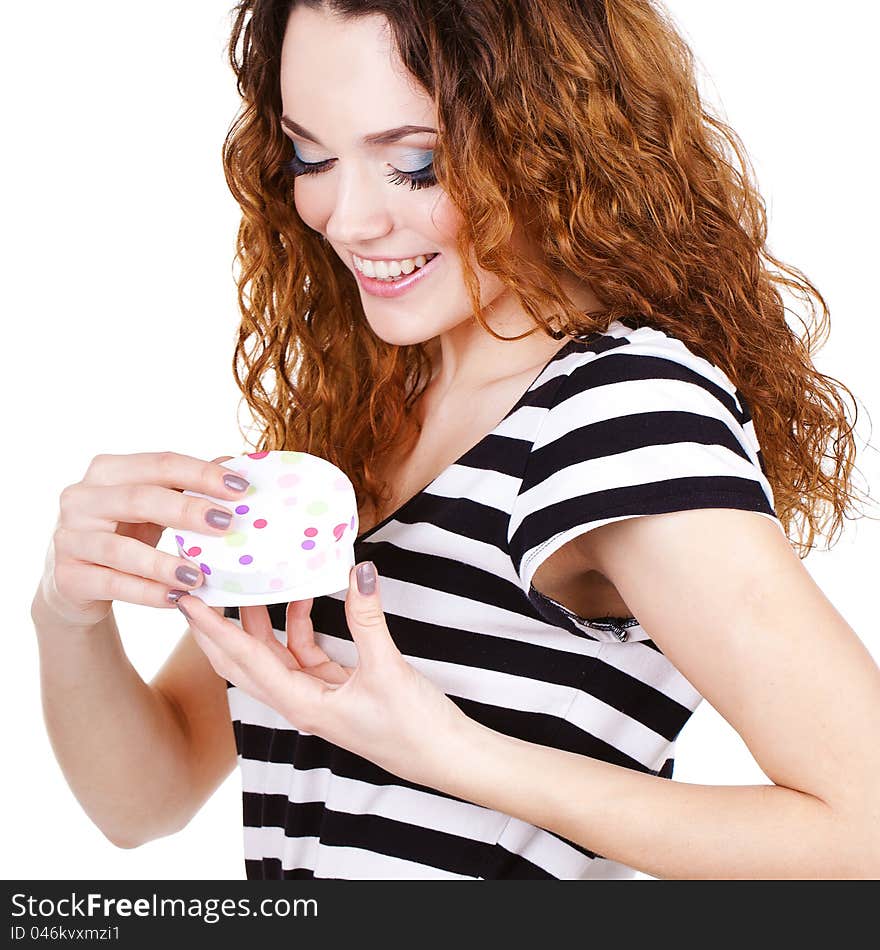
x,y
420,178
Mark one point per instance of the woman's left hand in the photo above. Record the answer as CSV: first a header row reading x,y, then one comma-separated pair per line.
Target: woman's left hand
x,y
383,709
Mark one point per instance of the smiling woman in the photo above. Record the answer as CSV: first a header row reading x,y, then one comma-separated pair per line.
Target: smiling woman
x,y
508,273
559,342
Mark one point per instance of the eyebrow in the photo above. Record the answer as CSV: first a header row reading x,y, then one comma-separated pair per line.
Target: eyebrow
x,y
376,138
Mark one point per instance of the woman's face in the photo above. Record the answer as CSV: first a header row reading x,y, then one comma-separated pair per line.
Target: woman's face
x,y
340,82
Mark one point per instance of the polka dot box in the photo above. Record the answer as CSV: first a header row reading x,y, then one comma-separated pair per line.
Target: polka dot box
x,y
291,537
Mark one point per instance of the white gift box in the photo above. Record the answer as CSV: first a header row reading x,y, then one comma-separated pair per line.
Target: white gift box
x,y
292,535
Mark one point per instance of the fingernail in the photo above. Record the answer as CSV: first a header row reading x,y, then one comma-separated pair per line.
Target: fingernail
x,y
218,519
186,575
366,577
183,610
172,595
235,482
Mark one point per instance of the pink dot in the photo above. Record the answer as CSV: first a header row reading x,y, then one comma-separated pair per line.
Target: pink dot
x,y
242,510
245,559
260,523
310,532
339,530
307,545
288,480
257,455
205,569
276,583
192,552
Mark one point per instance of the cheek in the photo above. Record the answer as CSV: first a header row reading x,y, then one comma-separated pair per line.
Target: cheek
x,y
308,205
445,219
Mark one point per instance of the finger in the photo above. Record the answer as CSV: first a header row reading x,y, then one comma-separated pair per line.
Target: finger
x,y
256,622
369,626
93,582
258,662
126,555
331,672
301,634
225,668
95,508
221,663
301,642
168,469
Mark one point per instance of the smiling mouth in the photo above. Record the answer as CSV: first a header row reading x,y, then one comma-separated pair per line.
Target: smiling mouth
x,y
383,273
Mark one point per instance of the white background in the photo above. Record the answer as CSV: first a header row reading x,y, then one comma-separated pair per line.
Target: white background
x,y
120,316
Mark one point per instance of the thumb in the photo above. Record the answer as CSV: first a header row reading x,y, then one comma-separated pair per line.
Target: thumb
x,y
366,619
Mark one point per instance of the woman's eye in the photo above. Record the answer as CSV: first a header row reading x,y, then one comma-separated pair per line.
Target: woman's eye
x,y
419,178
298,167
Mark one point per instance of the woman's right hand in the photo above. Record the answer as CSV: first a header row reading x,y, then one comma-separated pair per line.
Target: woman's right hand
x,y
104,544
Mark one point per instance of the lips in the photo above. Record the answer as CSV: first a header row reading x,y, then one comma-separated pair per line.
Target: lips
x,y
395,288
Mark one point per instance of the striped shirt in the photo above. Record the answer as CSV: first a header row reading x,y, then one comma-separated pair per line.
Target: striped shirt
x,y
617,425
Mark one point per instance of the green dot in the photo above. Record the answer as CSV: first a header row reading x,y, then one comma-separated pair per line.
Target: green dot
x,y
233,587
317,508
235,539
291,458
251,490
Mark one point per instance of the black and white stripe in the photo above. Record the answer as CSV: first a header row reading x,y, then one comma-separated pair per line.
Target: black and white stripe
x,y
617,425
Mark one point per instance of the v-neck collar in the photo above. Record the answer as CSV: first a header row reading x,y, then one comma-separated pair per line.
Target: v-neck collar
x,y
562,351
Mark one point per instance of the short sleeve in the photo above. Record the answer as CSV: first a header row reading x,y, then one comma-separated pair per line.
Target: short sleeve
x,y
630,433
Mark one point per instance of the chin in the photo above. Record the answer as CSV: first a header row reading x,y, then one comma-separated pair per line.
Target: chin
x,y
402,339
406,331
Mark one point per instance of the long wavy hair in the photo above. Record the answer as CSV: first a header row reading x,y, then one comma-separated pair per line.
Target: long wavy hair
x,y
580,120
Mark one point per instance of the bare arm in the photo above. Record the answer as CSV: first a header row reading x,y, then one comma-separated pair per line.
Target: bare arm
x,y
140,759
762,643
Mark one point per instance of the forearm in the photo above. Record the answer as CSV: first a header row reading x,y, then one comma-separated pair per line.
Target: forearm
x,y
661,827
116,739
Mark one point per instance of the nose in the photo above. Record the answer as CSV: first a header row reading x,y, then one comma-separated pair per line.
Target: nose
x,y
360,211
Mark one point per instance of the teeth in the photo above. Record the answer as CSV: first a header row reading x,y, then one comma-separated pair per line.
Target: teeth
x,y
390,270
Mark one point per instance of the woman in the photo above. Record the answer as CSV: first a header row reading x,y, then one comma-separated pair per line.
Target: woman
x,y
581,434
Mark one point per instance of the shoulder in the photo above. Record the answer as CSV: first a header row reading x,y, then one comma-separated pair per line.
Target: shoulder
x,y
636,424
647,360
634,387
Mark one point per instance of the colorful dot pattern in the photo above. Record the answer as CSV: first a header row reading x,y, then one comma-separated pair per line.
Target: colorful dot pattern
x,y
316,490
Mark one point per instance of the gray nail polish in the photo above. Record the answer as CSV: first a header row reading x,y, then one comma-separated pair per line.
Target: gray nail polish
x,y
366,578
218,519
186,575
235,482
173,595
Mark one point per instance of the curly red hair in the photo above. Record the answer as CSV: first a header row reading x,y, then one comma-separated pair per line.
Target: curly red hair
x,y
583,117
